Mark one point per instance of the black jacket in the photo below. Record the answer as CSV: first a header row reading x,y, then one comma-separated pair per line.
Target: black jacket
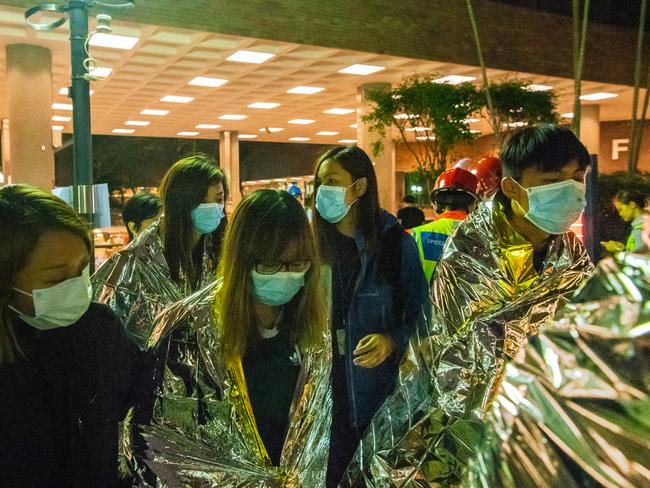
x,y
60,404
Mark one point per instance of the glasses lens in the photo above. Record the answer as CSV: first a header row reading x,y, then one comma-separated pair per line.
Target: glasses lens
x,y
268,267
299,266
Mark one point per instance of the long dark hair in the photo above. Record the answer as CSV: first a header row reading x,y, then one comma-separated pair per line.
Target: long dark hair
x,y
264,224
182,189
26,212
356,162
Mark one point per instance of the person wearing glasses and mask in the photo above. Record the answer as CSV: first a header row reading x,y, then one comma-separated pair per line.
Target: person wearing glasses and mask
x,y
503,274
256,409
66,366
379,293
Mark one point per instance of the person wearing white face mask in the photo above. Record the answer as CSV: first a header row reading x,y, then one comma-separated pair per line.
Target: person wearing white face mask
x,y
379,294
258,404
503,273
66,366
175,255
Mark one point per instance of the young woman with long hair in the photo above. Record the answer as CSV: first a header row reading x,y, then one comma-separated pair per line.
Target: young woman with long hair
x,y
175,255
379,293
66,367
259,401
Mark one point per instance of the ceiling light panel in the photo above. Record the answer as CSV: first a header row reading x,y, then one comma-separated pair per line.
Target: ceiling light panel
x,y
361,69
62,106
271,129
101,72
141,123
327,133
305,90
247,136
299,139
113,41
593,97
264,105
454,79
254,57
208,126
301,121
339,111
207,82
158,113
534,87
176,99
233,117
187,133
123,131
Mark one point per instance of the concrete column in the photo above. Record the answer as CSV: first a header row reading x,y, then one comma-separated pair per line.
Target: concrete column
x,y
590,127
29,92
229,162
384,162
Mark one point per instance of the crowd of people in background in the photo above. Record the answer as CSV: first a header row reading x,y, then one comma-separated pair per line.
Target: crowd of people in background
x,y
336,345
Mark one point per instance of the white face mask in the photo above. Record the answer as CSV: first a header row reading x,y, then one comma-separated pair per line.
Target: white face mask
x,y
555,207
60,305
278,288
207,217
330,202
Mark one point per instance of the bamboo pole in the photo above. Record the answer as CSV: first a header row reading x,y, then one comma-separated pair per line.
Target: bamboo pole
x,y
631,163
640,132
579,46
486,83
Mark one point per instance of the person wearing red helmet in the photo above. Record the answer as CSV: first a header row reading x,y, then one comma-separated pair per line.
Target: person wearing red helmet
x,y
454,196
488,172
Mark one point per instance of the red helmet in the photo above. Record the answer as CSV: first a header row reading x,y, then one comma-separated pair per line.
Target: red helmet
x,y
456,179
488,172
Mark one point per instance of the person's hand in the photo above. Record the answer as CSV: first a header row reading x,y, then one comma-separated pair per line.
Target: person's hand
x,y
373,350
613,246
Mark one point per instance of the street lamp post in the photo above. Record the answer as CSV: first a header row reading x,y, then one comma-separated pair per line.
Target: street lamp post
x,y
82,147
79,92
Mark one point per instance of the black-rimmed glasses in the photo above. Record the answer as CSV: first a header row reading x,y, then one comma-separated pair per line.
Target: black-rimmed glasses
x,y
272,267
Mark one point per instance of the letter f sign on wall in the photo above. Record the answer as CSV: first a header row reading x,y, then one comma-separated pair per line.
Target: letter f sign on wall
x,y
619,146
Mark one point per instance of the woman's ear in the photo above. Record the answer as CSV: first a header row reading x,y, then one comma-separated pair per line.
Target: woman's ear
x,y
360,187
132,227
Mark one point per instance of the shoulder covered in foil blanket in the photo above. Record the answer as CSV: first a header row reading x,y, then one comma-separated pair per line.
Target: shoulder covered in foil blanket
x,y
483,400
136,283
204,432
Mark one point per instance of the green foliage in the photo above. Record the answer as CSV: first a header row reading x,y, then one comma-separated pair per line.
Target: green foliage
x,y
611,226
515,105
431,118
433,112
